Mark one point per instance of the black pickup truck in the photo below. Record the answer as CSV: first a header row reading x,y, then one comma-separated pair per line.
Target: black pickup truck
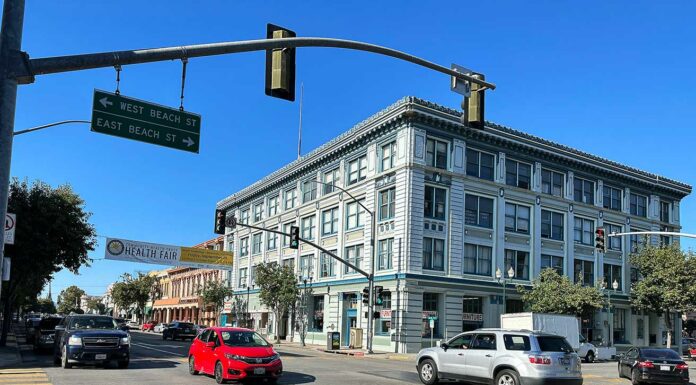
x,y
90,339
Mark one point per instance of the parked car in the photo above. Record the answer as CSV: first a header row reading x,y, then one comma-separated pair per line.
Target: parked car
x,y
688,344
234,354
133,324
149,326
511,357
177,330
90,339
45,333
653,365
31,325
159,328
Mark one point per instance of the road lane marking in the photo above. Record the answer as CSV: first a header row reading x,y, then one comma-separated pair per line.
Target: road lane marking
x,y
33,376
158,350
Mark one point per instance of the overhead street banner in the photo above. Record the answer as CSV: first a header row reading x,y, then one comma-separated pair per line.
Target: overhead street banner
x,y
119,249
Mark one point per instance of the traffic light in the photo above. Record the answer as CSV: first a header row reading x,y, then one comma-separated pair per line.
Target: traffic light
x,y
280,65
375,315
366,295
294,237
378,296
475,105
220,221
600,239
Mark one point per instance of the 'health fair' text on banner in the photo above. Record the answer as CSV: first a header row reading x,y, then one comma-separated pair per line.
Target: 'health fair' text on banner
x,y
120,249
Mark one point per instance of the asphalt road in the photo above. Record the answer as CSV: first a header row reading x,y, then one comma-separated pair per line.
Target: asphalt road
x,y
154,362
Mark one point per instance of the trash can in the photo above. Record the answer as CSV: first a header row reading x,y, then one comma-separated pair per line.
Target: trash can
x,y
333,341
356,337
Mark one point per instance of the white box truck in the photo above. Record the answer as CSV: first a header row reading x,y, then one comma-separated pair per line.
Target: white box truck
x,y
562,325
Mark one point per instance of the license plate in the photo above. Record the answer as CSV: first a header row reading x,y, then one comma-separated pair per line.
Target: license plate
x,y
100,356
664,367
564,361
259,370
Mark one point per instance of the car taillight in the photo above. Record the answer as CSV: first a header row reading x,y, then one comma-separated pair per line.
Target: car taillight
x,y
540,360
682,367
646,364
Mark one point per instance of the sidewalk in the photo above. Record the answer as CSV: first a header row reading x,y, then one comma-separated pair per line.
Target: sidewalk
x,y
351,352
9,354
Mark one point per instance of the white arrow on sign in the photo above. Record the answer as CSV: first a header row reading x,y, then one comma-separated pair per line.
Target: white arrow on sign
x,y
188,141
105,102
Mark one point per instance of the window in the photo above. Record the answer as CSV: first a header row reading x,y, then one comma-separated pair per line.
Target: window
x,y
331,179
484,342
514,306
253,275
290,197
664,211
357,169
388,156
385,254
612,198
256,243
430,305
271,241
353,255
479,164
329,221
317,324
243,277
387,204
639,204
433,254
327,265
355,215
309,191
553,262
516,218
584,272
519,260
635,275
307,227
273,205
636,242
613,243
518,174
665,240
289,263
620,326
462,341
477,259
552,183
472,305
307,266
435,200
258,212
583,191
640,328
384,324
478,211
611,273
244,246
436,153
244,217
583,231
513,342
286,230
551,225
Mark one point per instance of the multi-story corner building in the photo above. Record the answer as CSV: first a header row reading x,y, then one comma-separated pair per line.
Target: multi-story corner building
x,y
452,205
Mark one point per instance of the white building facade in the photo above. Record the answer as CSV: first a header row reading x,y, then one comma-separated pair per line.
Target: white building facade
x,y
452,205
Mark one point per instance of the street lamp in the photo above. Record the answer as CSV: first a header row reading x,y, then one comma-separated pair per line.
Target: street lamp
x,y
304,311
615,286
504,281
371,279
247,316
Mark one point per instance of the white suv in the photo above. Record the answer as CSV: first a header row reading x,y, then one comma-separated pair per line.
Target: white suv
x,y
501,357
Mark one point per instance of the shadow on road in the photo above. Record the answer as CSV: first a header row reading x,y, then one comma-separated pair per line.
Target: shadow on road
x,y
288,354
292,378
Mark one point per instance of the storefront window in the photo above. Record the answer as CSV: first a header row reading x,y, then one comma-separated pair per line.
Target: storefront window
x,y
514,306
620,326
430,308
472,316
317,324
384,324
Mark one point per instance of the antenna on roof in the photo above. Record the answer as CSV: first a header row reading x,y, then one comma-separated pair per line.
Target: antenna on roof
x,y
299,135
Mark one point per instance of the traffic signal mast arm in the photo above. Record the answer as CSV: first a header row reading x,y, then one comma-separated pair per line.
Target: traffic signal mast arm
x,y
652,233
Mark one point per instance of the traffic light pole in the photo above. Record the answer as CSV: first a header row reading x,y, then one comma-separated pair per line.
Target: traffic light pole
x,y
652,233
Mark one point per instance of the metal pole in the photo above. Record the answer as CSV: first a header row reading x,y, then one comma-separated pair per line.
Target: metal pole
x,y
10,46
504,296
611,320
371,283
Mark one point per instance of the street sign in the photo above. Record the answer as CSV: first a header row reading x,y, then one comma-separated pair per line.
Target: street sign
x,y
135,119
461,87
10,226
431,323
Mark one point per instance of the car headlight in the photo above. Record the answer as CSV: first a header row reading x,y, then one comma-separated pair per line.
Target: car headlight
x,y
274,357
75,341
234,357
125,340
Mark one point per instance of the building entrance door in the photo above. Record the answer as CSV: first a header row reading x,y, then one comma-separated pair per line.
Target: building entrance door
x,y
349,321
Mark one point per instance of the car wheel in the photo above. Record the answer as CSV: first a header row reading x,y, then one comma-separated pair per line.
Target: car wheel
x,y
192,366
64,359
427,371
590,356
620,372
218,373
123,364
507,377
634,377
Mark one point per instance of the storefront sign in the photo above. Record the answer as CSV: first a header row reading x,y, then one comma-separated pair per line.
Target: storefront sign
x,y
385,313
227,307
476,317
429,313
135,251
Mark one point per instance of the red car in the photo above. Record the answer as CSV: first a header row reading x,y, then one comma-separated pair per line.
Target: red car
x,y
149,326
234,354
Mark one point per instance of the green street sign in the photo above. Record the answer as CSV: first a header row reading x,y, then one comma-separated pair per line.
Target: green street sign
x,y
135,119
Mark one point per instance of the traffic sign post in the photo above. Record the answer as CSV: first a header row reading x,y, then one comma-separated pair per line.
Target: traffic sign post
x,y
135,119
10,226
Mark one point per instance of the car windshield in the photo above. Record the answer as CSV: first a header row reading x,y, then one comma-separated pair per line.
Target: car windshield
x,y
243,338
660,354
92,323
49,323
554,344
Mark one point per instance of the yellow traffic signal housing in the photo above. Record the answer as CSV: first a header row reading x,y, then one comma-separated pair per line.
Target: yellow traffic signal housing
x,y
476,105
280,65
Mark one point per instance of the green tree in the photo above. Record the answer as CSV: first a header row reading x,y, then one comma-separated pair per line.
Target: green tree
x,y
277,290
667,282
556,294
95,304
42,305
52,233
133,292
214,293
69,300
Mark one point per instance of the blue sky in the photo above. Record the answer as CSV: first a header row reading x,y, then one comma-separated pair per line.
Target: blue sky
x,y
611,78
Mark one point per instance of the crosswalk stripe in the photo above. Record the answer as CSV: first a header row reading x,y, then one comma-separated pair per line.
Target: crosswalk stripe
x,y
22,375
